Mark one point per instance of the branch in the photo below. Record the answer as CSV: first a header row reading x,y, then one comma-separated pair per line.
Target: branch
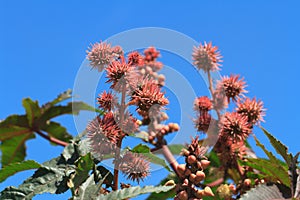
x,y
119,144
52,139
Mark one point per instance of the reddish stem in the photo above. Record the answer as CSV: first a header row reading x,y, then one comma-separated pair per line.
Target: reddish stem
x,y
170,158
216,182
119,144
52,139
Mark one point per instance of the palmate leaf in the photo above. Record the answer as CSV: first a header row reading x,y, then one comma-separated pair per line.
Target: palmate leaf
x,y
263,192
32,109
14,149
145,151
14,168
14,125
134,191
57,131
272,171
14,132
61,97
279,147
294,174
47,178
70,108
83,166
88,190
270,155
165,195
51,177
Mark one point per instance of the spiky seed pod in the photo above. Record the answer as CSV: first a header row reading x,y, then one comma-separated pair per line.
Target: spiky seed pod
x,y
100,55
117,73
233,86
103,135
202,104
135,166
202,123
207,57
151,54
149,95
107,101
235,127
251,108
135,59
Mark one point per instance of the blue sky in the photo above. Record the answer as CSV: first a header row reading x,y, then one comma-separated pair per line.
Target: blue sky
x,y
43,43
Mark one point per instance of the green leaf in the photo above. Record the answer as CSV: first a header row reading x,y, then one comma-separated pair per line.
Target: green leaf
x,y
15,120
134,191
12,131
279,147
168,194
273,171
51,177
14,168
14,149
61,97
83,166
57,131
145,151
176,148
47,178
214,159
295,176
32,109
70,108
263,192
270,155
88,190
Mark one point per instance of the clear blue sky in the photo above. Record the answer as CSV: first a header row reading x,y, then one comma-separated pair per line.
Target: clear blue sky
x,y
43,43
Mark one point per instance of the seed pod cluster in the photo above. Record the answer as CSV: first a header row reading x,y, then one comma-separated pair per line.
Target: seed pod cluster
x,y
191,173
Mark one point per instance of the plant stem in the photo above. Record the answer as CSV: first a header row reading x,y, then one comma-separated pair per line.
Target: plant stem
x,y
211,89
216,182
170,158
119,144
52,139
